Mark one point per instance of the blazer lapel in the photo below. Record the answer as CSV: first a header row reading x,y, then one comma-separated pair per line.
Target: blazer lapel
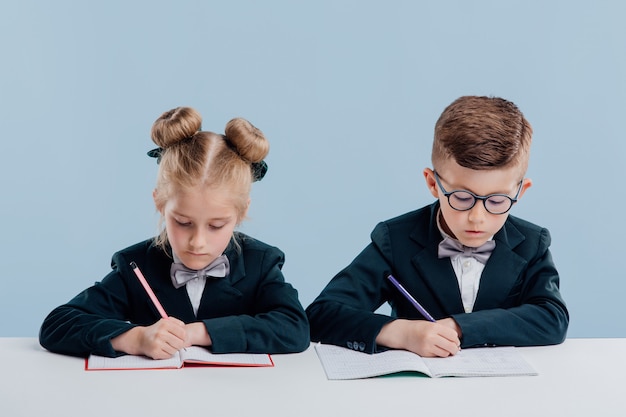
x,y
220,296
175,301
437,274
502,269
237,266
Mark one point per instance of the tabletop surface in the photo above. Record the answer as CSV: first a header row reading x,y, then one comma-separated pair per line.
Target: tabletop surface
x,y
581,377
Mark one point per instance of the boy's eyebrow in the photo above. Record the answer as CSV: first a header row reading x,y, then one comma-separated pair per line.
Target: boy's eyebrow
x,y
474,192
498,192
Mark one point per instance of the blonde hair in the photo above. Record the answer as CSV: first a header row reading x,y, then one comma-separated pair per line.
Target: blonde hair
x,y
482,133
190,157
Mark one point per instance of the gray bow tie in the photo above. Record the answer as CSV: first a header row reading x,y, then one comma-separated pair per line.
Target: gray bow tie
x,y
450,247
180,274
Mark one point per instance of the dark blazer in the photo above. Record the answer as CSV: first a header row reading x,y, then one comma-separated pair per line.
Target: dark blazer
x,y
251,310
518,301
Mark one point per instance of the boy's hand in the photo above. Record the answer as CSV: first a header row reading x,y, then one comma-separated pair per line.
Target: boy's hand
x,y
451,323
419,336
159,341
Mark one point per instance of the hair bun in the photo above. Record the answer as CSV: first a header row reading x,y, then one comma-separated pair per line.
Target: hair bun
x,y
248,141
175,125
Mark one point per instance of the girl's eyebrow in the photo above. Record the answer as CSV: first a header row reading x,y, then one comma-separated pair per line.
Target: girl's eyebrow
x,y
226,218
179,214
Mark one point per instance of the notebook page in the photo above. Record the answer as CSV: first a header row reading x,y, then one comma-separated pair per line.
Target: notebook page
x,y
201,355
496,361
132,362
342,363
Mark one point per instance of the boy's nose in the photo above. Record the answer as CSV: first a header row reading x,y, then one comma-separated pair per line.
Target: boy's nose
x,y
477,213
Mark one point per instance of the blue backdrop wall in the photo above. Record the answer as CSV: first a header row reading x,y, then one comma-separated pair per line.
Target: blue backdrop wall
x,y
347,92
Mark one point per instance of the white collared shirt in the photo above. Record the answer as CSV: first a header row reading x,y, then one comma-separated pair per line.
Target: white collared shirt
x,y
468,272
195,288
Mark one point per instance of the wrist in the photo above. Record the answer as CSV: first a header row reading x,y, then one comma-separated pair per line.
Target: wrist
x,y
198,334
129,342
391,334
450,322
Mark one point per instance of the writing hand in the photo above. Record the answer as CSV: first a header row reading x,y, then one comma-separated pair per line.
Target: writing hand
x,y
425,338
197,334
158,341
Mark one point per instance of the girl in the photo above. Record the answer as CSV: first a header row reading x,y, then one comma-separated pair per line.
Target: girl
x,y
220,288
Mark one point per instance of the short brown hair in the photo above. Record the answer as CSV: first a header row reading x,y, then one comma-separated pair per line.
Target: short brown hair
x,y
482,133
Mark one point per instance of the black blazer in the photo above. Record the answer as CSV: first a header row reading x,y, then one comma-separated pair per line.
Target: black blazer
x,y
518,301
251,310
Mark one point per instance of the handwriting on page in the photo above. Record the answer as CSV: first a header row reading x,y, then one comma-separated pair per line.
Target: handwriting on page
x,y
499,361
342,363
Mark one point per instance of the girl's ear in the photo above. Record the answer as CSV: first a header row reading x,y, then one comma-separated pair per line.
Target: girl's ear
x,y
154,198
245,212
431,183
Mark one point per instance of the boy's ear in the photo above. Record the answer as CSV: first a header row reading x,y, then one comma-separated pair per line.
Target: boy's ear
x,y
526,184
431,183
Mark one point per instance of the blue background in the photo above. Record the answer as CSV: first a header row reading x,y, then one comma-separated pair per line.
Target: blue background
x,y
347,93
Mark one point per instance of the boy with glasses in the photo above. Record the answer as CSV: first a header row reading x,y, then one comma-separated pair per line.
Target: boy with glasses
x,y
460,272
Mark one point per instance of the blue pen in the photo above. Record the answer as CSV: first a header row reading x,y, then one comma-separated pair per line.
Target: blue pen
x,y
409,297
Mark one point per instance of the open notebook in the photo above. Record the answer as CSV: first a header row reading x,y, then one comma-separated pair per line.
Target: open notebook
x,y
194,355
342,363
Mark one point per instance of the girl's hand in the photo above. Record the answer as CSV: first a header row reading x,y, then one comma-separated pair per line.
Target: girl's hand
x,y
197,335
422,337
159,341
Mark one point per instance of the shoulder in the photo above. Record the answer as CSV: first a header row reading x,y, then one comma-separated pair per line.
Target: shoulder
x,y
406,224
140,252
528,229
253,258
524,235
249,246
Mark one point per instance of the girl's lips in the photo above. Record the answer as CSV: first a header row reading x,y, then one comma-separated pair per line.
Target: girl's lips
x,y
196,254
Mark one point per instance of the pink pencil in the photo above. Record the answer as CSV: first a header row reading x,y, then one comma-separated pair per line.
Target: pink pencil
x,y
146,287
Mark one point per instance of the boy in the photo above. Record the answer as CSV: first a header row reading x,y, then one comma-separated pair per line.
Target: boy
x,y
486,278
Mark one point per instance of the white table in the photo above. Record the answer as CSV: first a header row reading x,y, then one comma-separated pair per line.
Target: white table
x,y
581,377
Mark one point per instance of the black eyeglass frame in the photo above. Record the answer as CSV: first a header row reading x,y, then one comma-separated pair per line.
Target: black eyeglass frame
x,y
484,199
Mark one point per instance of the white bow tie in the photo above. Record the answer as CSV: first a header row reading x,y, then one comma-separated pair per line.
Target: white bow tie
x,y
180,274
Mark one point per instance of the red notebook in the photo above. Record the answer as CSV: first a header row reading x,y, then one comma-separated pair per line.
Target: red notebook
x,y
194,356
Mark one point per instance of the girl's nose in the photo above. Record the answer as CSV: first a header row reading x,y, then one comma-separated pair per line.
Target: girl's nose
x,y
198,239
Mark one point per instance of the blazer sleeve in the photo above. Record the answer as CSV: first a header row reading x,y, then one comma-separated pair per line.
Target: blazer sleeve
x,y
534,313
344,313
88,322
275,321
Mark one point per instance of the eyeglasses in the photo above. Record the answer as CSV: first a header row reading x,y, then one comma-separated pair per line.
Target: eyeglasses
x,y
463,200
